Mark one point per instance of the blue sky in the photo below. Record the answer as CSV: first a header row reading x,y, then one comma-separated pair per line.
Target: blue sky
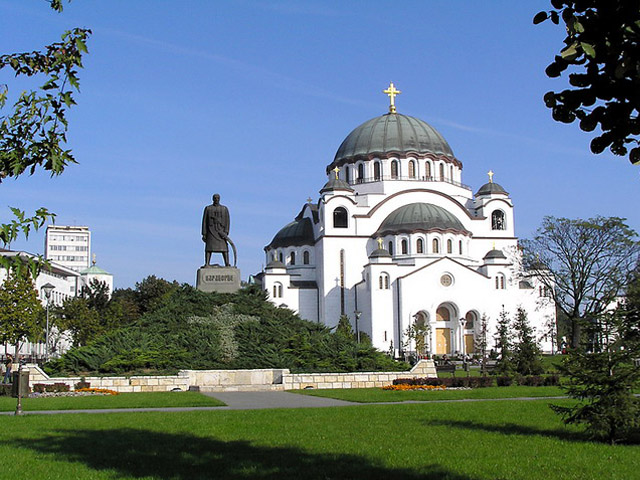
x,y
251,99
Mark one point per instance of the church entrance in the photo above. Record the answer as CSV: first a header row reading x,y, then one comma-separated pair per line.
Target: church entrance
x,y
443,340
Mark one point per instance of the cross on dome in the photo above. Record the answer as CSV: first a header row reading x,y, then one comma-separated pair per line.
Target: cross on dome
x,y
380,243
337,170
392,92
491,174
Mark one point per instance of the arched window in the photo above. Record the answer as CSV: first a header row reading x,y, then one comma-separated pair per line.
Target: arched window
x,y
390,248
381,282
376,171
281,257
404,247
340,218
361,173
305,257
442,314
427,170
499,281
420,246
442,171
292,258
497,220
449,246
451,173
412,169
435,246
384,281
394,169
469,320
277,290
347,174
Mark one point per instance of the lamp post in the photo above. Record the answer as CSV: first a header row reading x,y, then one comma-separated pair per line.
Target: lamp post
x,y
47,288
357,313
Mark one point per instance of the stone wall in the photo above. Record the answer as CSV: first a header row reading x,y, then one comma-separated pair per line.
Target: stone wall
x,y
238,380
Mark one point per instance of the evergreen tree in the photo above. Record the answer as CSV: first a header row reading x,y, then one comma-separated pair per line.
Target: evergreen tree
x,y
526,352
481,342
504,344
344,328
21,313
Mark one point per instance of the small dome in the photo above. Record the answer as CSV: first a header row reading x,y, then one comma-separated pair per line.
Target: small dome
x,y
299,232
380,253
275,264
420,217
391,134
491,189
336,184
495,255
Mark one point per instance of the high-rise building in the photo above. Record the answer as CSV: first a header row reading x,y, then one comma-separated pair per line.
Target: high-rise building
x,y
69,246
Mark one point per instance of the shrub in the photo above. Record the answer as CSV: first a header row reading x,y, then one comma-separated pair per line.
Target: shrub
x,y
469,382
82,384
552,380
55,388
504,381
531,380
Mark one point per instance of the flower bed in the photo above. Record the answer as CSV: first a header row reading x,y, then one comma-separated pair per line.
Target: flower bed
x,y
404,386
82,392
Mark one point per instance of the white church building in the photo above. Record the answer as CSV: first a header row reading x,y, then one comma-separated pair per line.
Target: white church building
x,y
396,238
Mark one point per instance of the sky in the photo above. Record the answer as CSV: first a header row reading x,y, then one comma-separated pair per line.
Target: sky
x,y
251,99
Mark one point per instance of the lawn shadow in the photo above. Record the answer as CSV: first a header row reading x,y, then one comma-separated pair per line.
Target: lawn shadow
x,y
135,453
513,429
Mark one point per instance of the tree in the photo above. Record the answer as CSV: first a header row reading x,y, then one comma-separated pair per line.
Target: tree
x,y
504,344
582,264
152,291
603,380
79,319
96,293
21,312
33,132
601,54
344,328
526,352
481,341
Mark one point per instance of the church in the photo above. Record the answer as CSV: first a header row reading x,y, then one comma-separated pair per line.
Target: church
x,y
397,240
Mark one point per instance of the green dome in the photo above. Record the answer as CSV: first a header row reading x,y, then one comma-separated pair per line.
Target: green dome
x,y
490,189
299,232
420,217
391,134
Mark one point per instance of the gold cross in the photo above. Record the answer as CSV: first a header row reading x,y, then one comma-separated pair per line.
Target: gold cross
x,y
380,243
309,200
94,259
337,170
392,92
490,173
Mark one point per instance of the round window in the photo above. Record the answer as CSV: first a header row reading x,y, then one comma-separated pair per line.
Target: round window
x,y
446,280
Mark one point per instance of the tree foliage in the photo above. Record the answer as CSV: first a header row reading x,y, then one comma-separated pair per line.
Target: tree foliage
x,y
583,264
21,312
504,344
526,351
601,55
33,130
197,330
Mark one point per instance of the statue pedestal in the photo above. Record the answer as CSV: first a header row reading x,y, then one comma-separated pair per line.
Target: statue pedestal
x,y
214,278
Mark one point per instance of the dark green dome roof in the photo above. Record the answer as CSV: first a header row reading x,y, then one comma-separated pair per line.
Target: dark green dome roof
x,y
299,232
420,217
336,184
392,133
491,188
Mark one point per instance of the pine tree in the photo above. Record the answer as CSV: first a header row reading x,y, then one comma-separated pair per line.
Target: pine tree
x,y
504,344
526,352
481,341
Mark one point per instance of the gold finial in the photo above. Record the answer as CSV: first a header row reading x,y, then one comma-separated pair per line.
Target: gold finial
x,y
494,245
94,259
490,173
309,200
392,92
337,170
380,243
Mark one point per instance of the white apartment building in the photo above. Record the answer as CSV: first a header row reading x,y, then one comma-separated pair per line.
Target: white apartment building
x,y
69,246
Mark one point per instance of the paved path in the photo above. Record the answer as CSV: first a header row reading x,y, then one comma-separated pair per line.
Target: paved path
x,y
258,400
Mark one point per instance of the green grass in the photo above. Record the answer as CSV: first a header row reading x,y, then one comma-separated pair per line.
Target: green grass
x,y
368,395
123,400
454,441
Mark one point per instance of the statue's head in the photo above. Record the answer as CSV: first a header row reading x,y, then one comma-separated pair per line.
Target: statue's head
x,y
216,198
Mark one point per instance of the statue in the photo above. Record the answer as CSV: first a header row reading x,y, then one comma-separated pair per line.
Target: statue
x,y
215,230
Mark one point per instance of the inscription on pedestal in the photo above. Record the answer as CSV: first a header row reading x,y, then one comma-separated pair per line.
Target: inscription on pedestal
x,y
218,279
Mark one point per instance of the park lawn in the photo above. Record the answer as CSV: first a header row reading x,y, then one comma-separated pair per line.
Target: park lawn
x,y
122,400
369,395
455,441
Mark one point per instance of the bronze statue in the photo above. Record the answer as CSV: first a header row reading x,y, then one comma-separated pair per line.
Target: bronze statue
x,y
215,230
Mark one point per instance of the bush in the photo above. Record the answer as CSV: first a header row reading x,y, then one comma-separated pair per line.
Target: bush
x,y
82,384
467,382
552,380
504,381
55,388
531,380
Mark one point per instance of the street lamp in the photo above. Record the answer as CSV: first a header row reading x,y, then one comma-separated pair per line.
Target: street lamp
x,y
47,288
357,313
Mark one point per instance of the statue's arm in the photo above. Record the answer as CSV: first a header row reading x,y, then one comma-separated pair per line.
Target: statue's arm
x,y
204,224
227,222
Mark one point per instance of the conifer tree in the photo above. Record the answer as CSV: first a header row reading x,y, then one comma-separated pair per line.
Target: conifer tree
x,y
504,344
526,352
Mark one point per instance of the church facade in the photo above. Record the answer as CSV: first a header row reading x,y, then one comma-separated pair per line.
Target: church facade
x,y
396,239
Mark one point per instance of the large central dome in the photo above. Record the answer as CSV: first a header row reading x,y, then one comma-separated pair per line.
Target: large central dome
x,y
391,134
420,217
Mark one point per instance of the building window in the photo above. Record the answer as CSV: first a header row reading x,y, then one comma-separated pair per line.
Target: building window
x,y
340,218
442,314
442,171
412,169
435,246
427,170
500,282
381,282
376,171
460,247
390,248
497,220
469,320
277,290
384,281
404,247
305,257
449,246
281,257
451,173
420,246
394,169
347,174
361,173
292,258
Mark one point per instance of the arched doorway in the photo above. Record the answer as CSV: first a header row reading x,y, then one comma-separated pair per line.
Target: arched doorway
x,y
470,325
444,314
